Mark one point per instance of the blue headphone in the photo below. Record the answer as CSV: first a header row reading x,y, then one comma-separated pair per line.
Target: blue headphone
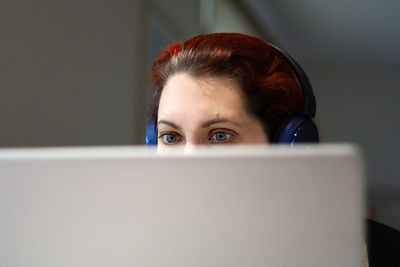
x,y
293,130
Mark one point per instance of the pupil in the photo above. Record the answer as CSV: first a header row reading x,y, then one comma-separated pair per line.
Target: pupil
x,y
220,136
170,138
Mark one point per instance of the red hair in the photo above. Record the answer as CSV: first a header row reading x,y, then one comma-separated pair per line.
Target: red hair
x,y
267,80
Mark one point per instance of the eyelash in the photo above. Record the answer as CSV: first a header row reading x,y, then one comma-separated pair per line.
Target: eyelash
x,y
231,135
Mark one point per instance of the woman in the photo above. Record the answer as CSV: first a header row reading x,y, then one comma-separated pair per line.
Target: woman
x,y
236,89
230,89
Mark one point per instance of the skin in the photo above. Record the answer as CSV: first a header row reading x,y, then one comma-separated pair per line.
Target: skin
x,y
205,111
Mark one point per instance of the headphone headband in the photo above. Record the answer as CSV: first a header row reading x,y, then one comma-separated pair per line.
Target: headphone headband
x,y
308,95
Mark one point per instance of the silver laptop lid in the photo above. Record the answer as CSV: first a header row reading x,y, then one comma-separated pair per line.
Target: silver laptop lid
x,y
129,206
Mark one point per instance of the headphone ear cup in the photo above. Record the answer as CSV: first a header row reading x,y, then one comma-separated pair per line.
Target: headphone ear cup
x,y
297,130
151,133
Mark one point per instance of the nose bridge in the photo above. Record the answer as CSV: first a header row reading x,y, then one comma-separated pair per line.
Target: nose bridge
x,y
193,136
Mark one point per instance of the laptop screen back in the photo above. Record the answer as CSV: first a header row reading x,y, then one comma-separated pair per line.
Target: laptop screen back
x,y
128,206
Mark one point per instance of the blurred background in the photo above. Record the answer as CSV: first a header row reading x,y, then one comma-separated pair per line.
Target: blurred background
x,y
76,72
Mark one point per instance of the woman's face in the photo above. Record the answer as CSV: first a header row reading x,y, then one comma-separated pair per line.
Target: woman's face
x,y
205,111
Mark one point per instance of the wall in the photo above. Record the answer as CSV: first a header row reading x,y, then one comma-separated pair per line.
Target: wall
x,y
68,72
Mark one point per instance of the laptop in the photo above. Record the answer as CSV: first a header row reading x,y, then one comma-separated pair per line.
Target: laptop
x,y
231,206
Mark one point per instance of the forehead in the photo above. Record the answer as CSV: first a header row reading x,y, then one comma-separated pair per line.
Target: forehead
x,y
187,94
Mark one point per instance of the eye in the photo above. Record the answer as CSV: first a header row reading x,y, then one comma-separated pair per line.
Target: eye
x,y
169,138
221,137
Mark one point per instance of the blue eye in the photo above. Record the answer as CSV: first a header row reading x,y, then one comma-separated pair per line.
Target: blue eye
x,y
169,138
221,137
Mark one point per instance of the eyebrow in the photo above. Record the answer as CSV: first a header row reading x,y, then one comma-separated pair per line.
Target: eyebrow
x,y
169,123
218,120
